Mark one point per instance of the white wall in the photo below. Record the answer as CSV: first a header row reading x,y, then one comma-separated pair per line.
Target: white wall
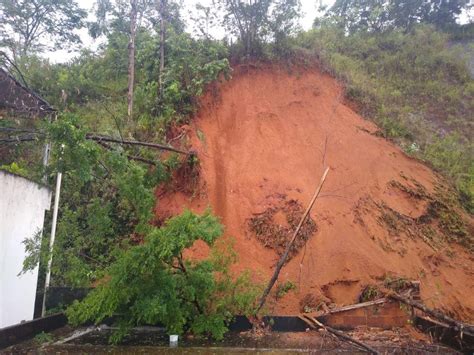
x,y
22,207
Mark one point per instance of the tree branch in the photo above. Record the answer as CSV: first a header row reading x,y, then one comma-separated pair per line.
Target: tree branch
x,y
99,138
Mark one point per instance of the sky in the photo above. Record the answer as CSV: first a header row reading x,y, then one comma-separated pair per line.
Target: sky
x,y
308,8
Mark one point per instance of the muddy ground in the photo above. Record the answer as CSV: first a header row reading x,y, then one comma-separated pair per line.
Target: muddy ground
x,y
265,137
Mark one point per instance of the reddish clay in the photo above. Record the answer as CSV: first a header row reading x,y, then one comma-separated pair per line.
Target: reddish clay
x,y
270,132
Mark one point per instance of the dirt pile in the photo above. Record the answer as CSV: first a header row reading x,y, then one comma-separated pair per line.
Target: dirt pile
x,y
380,214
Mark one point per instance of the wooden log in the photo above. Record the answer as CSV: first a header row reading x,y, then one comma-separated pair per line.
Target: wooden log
x,y
283,258
130,157
100,138
355,306
313,322
457,325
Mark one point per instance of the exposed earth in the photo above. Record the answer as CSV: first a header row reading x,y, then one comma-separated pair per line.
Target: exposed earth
x,y
263,140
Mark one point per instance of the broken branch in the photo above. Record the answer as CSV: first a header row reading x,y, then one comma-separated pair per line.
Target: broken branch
x,y
283,258
457,325
98,138
311,321
130,157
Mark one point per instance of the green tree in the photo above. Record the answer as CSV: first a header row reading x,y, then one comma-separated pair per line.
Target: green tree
x,y
255,22
28,26
381,15
152,282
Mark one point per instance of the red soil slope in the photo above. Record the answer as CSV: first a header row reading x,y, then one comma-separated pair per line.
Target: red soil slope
x,y
267,133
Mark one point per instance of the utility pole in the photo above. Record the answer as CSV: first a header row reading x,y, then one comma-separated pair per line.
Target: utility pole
x,y
51,241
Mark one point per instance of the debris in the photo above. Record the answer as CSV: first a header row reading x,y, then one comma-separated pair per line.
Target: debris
x,y
283,258
275,226
457,325
314,323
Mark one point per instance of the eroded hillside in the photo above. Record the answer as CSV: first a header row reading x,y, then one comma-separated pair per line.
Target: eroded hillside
x,y
263,140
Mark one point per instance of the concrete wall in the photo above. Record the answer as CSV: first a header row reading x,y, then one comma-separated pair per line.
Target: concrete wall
x,y
22,208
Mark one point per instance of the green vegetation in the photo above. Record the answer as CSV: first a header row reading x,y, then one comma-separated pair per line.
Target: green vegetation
x,y
152,282
414,86
394,56
30,26
284,288
14,168
370,293
43,337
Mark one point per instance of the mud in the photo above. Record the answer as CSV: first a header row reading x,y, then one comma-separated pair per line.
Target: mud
x,y
270,132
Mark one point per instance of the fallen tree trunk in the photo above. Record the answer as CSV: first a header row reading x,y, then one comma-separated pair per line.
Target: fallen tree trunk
x,y
457,325
130,157
313,322
96,138
99,138
283,258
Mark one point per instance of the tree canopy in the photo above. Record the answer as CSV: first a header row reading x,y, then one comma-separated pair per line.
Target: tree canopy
x,y
381,15
256,21
29,26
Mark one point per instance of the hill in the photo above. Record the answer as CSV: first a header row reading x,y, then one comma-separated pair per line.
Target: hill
x,y
263,140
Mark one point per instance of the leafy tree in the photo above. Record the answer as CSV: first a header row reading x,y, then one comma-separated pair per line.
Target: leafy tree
x,y
356,15
152,282
257,21
106,203
205,19
28,26
381,15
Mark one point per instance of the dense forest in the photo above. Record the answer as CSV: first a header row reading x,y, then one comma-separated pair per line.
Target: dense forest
x,y
404,65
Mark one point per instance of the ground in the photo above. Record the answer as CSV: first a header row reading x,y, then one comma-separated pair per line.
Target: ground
x,y
149,340
266,136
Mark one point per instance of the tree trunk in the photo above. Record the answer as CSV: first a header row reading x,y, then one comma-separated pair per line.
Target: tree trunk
x,y
131,56
162,46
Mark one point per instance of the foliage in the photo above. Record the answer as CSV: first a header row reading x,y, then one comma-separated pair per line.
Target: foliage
x,y
43,337
382,15
284,288
30,26
14,168
258,22
192,66
369,293
455,158
35,251
112,16
93,85
105,201
152,282
413,85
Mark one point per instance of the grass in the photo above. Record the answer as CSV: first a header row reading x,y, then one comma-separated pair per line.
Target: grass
x,y
284,288
415,86
43,337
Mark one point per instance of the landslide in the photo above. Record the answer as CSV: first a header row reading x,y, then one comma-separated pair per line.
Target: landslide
x,y
263,140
